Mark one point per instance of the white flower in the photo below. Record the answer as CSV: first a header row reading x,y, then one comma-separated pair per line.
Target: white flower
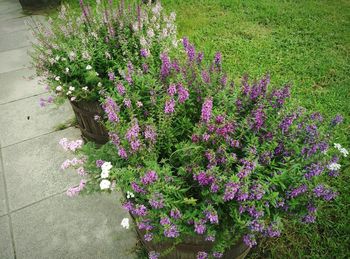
x,y
337,146
67,70
150,33
59,88
63,59
57,78
88,67
69,92
73,98
104,174
85,88
106,166
344,152
334,166
125,223
105,184
129,195
99,84
143,41
71,88
57,58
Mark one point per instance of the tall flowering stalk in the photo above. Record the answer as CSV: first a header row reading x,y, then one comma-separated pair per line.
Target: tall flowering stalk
x,y
204,158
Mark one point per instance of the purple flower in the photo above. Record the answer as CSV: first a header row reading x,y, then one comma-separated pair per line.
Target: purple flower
x,y
111,109
337,120
111,76
191,52
326,194
128,206
297,191
144,53
150,134
137,188
309,218
205,77
165,221
99,163
207,110
145,224
120,89
203,178
157,201
172,89
140,210
127,102
272,231
313,170
133,132
210,238
166,65
249,240
149,177
214,188
259,117
230,191
200,57
256,226
169,106
202,255
114,138
212,216
185,42
153,255
148,237
175,213
257,192
145,68
122,153
287,122
171,231
217,58
183,93
217,254
199,228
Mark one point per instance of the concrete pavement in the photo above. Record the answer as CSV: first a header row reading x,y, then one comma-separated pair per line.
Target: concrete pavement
x,y
37,219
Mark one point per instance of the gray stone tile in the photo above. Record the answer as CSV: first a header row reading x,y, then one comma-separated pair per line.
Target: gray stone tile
x,y
14,59
6,248
18,84
32,169
24,119
83,227
12,25
15,40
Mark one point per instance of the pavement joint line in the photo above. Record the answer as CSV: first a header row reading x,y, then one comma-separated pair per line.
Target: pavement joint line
x,y
4,215
36,202
7,203
22,68
29,44
13,50
23,98
32,138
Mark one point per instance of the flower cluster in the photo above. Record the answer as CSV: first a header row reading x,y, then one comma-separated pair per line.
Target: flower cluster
x,y
199,157
80,54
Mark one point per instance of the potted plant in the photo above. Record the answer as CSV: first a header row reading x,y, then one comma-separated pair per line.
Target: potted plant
x,y
207,168
81,52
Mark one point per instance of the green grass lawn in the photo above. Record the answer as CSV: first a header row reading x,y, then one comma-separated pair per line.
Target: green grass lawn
x,y
306,43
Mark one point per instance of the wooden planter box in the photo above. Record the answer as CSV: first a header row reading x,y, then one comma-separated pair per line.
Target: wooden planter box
x,y
91,129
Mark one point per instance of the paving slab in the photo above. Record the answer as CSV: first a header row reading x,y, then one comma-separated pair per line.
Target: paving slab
x,y
6,248
14,59
19,84
15,40
3,208
12,25
82,227
32,169
24,119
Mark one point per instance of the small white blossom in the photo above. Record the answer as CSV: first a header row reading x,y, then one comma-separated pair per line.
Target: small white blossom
x,y
105,184
73,98
143,41
104,174
69,92
71,88
130,195
139,104
57,58
150,33
99,84
63,59
85,88
344,152
125,223
337,146
106,166
334,166
67,70
59,88
88,67
57,78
